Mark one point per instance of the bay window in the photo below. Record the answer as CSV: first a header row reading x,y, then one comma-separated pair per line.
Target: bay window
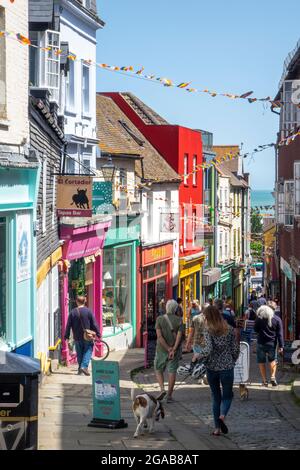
x,y
297,187
280,202
290,113
288,202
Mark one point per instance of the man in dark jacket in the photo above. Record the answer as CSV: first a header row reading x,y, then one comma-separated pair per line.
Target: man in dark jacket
x,y
268,327
82,318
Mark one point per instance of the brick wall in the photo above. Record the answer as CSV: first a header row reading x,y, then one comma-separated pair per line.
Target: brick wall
x,y
47,146
14,128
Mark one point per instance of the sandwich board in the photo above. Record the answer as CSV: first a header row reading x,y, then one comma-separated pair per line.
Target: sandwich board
x,y
242,366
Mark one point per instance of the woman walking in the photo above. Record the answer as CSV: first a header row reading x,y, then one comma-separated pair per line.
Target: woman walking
x,y
221,351
268,327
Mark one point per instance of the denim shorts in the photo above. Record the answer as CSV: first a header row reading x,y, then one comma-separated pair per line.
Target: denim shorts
x,y
264,351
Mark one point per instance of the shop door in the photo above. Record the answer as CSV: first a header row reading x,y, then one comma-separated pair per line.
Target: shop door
x,y
149,338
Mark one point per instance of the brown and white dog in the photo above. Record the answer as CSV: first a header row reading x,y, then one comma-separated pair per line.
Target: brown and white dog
x,y
147,408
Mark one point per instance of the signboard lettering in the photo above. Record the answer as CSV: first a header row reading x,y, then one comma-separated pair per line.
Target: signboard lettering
x,y
74,196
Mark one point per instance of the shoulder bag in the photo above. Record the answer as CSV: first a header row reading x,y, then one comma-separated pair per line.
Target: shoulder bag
x,y
88,335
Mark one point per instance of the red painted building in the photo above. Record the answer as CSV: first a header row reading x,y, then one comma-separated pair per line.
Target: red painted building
x,y
181,147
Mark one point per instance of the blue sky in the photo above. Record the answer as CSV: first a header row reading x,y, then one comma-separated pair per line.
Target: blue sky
x,y
230,46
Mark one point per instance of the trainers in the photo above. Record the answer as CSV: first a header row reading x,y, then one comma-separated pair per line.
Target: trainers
x,y
274,382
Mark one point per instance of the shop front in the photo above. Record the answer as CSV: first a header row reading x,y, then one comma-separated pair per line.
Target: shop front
x,y
119,285
225,285
81,270
157,284
190,281
18,190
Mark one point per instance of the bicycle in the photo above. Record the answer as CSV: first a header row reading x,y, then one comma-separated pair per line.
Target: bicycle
x,y
101,349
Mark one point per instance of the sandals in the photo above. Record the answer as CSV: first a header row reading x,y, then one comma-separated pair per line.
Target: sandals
x,y
223,426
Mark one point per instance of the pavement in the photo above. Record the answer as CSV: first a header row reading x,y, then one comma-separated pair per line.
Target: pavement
x,y
269,419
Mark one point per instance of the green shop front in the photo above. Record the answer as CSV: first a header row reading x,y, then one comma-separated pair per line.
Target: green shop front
x,y
119,284
18,191
225,285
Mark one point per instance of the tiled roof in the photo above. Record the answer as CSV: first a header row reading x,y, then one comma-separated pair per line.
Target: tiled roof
x,y
230,167
118,136
148,115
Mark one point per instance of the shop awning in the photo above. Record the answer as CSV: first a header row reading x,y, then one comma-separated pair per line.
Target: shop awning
x,y
211,276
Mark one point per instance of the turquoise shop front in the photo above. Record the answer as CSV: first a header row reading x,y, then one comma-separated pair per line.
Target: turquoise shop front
x,y
18,195
119,291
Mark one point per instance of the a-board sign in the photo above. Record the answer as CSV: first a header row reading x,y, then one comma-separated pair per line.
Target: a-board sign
x,y
242,366
106,395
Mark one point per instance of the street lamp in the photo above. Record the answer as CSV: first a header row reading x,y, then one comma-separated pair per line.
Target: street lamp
x,y
108,170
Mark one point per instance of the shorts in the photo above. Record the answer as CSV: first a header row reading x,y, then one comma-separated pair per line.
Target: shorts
x,y
162,361
264,351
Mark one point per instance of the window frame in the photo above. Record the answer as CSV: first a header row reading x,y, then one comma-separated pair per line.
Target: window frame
x,y
195,170
85,112
70,106
297,188
185,169
47,60
289,214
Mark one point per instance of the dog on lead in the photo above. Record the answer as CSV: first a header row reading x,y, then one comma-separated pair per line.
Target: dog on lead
x,y
147,409
244,392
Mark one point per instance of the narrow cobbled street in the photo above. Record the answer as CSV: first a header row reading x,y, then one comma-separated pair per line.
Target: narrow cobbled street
x,y
269,419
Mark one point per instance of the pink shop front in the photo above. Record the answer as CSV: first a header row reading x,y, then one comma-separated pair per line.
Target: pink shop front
x,y
81,271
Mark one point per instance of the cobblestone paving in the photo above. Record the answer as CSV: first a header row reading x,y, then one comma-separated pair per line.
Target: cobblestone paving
x,y
269,419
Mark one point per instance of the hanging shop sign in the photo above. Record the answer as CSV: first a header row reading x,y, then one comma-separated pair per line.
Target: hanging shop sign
x,y
102,197
106,395
169,221
74,196
23,246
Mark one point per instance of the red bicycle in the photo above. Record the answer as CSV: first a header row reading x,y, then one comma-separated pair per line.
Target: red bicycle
x,y
101,349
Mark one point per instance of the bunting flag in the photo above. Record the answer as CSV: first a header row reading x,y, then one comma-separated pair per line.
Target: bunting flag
x,y
288,140
129,70
23,40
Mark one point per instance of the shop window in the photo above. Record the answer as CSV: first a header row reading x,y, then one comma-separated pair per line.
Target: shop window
x,y
161,295
164,267
3,277
195,170
85,89
108,287
123,284
117,285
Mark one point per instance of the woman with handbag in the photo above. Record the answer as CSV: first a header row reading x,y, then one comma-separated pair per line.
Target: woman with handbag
x,y
85,330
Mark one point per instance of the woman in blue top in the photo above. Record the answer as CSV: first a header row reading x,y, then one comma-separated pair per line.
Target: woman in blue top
x,y
194,310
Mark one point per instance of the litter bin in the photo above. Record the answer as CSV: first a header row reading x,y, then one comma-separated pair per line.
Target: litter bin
x,y
18,402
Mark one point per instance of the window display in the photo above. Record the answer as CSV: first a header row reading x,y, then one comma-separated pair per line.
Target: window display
x,y
116,298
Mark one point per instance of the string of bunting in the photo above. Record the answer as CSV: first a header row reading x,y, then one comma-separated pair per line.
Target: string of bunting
x,y
288,140
139,73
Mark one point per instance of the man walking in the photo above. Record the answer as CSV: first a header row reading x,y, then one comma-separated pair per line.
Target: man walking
x,y
82,318
169,334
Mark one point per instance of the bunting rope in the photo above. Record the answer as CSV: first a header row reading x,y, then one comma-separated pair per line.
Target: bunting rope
x,y
139,73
